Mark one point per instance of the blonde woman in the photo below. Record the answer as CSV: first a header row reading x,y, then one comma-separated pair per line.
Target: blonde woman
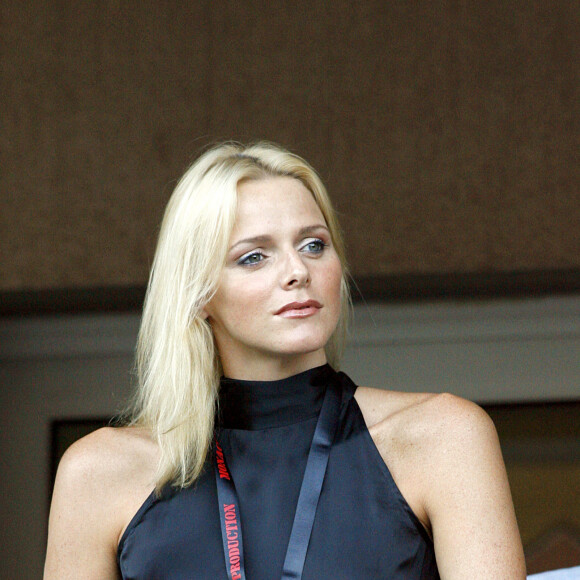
x,y
247,454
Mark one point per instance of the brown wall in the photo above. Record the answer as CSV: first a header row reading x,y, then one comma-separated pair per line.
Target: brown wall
x,y
446,131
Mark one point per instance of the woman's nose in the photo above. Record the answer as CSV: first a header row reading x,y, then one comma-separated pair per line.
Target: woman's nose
x,y
296,273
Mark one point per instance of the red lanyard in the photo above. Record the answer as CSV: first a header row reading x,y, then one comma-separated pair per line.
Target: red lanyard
x,y
307,500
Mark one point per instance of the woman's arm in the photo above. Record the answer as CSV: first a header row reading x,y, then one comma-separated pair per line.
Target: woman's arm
x,y
468,501
100,484
444,455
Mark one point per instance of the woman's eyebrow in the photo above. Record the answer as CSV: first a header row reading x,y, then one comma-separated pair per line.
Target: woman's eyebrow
x,y
312,229
264,239
254,240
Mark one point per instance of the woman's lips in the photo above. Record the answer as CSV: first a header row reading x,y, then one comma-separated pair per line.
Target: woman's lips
x,y
299,309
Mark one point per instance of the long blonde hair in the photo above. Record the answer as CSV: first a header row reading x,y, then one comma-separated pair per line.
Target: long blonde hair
x,y
177,365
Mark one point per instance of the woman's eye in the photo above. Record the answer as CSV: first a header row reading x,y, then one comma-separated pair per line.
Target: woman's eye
x,y
250,259
314,246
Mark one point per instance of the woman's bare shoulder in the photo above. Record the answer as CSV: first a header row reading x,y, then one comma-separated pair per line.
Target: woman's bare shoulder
x,y
111,447
101,482
424,439
380,406
444,454
109,457
413,418
111,466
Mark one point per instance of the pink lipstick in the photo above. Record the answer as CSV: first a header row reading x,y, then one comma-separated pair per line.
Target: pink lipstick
x,y
299,309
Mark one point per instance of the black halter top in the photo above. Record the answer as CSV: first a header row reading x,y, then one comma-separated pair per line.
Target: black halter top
x,y
363,528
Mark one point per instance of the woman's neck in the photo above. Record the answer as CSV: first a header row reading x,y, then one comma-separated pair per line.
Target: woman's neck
x,y
271,369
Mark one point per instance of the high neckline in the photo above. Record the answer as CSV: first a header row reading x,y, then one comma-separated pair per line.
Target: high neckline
x,y
254,405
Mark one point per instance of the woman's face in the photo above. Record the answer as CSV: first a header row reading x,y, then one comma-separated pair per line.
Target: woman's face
x,y
278,300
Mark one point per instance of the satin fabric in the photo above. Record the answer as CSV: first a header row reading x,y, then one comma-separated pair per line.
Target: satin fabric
x,y
363,528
